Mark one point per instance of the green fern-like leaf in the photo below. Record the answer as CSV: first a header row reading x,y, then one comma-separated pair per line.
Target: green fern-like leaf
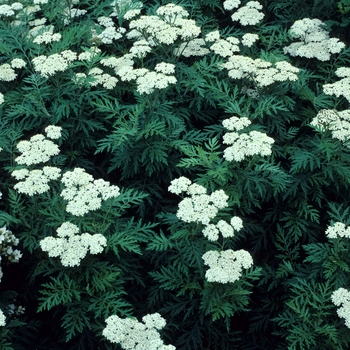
x,y
60,291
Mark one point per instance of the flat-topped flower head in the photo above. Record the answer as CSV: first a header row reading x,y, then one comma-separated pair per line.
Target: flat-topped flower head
x,y
258,71
199,207
337,122
226,266
131,334
231,4
341,87
249,39
244,144
18,63
85,194
2,319
248,14
50,65
227,230
314,40
71,247
179,185
338,230
341,297
37,150
7,73
36,180
53,132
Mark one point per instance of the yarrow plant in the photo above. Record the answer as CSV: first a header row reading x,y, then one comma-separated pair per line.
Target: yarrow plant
x,y
37,150
199,207
2,319
341,297
179,158
248,14
70,247
338,230
259,72
131,334
244,144
226,266
315,41
211,231
50,65
83,193
341,87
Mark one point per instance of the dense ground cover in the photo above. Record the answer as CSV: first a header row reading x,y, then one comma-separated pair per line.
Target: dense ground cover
x,y
174,175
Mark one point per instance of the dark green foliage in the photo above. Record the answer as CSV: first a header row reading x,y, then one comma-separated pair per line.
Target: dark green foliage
x,y
141,142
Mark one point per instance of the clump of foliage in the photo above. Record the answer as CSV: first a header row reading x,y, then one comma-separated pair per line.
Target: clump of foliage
x,y
178,171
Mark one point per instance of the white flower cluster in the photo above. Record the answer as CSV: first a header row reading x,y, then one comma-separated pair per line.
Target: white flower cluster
x,y
36,180
200,207
37,150
260,72
140,48
245,144
123,66
212,36
226,266
110,34
231,4
45,34
249,14
132,335
211,231
249,39
225,47
18,63
337,122
7,73
341,87
150,81
342,297
9,10
131,14
2,100
7,241
2,319
147,81
53,132
315,41
167,27
58,62
171,11
106,80
83,193
39,28
70,247
47,37
338,230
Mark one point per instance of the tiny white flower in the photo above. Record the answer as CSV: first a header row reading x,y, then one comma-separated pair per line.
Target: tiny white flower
x,y
2,318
